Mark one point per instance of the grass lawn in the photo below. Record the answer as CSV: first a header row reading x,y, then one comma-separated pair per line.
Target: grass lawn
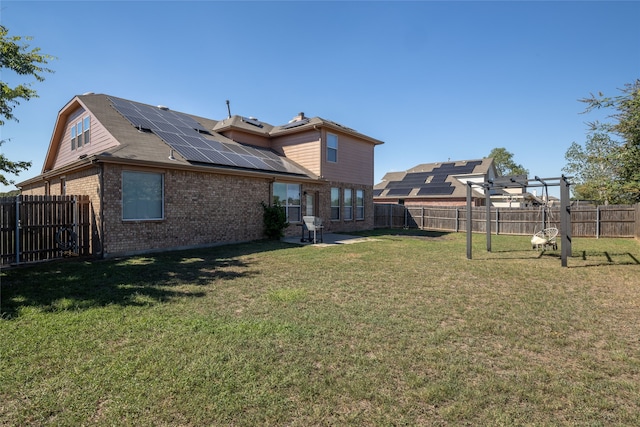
x,y
398,330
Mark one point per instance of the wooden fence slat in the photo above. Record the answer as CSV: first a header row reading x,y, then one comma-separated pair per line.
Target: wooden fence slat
x,y
586,221
40,219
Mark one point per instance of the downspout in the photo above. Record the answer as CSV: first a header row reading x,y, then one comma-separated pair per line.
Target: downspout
x,y
101,238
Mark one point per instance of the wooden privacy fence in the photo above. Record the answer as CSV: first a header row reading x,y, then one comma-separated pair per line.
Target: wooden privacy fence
x,y
586,221
38,228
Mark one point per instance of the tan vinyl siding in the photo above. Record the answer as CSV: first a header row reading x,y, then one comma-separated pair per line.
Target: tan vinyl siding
x,y
247,138
99,140
304,149
355,161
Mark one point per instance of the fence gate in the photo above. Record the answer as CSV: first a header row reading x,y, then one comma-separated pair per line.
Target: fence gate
x,y
38,228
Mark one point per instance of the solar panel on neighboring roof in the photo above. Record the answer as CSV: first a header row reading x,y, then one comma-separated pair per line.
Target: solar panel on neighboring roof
x,y
187,136
436,190
399,191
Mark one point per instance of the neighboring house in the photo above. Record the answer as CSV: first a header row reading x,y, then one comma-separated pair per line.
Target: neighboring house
x,y
436,184
160,179
511,192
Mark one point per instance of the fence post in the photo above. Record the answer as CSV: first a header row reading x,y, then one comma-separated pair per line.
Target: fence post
x,y
497,222
406,215
17,241
598,222
74,203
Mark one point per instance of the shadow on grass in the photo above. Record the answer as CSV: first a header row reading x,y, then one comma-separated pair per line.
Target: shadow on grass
x,y
593,258
608,258
401,232
133,281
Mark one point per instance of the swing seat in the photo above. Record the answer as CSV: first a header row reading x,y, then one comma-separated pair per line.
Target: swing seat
x,y
544,238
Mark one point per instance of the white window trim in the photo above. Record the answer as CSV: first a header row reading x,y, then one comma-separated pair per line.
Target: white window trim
x,y
335,149
285,203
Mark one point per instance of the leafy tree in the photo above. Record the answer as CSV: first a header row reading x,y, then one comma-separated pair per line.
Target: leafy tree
x,y
23,61
623,156
504,163
594,168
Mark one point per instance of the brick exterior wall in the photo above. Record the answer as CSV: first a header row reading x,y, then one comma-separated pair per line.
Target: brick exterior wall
x,y
200,209
341,225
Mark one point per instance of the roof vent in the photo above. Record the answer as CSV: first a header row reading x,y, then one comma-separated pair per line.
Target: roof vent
x,y
88,93
163,107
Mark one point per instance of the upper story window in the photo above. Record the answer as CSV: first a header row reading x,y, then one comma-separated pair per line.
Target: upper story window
x,y
80,132
86,124
332,148
73,137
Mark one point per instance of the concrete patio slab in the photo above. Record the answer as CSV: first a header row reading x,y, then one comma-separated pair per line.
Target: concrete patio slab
x,y
329,239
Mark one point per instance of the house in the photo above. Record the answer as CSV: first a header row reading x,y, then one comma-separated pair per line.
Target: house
x,y
511,192
160,179
436,184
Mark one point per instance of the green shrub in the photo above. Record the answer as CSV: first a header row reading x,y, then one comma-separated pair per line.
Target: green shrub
x,y
275,220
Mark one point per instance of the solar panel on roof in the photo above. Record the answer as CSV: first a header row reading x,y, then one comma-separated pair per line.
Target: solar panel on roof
x,y
435,191
235,148
399,191
193,155
377,192
272,164
172,139
214,145
295,124
251,121
141,122
186,135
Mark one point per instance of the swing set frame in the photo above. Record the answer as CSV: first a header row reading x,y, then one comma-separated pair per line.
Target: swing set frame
x,y
565,208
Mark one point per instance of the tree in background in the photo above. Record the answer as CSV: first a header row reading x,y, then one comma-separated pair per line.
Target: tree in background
x,y
23,61
594,168
612,148
504,163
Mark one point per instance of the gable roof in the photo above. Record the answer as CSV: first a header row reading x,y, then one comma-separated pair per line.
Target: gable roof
x,y
434,180
147,134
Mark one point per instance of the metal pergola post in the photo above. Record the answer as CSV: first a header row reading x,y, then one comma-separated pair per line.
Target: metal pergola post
x,y
469,225
565,211
565,220
487,198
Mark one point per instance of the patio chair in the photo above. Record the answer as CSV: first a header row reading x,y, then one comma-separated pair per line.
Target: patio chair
x,y
313,223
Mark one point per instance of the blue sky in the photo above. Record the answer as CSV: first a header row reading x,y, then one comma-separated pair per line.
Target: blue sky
x,y
433,80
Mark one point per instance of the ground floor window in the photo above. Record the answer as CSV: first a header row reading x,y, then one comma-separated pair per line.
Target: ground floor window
x,y
335,204
348,204
359,204
288,196
142,196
